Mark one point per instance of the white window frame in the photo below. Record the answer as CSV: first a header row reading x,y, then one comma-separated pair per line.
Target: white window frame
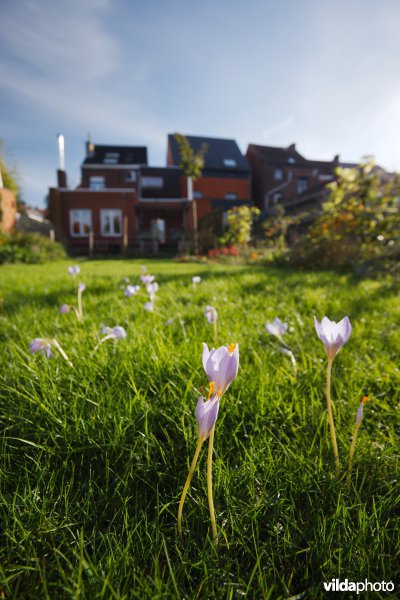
x,y
97,182
83,216
152,181
111,213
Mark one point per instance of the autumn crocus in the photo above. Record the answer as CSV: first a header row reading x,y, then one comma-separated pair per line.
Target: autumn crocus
x,y
212,318
145,279
278,329
221,367
131,290
74,270
196,280
333,336
111,333
81,289
44,346
357,425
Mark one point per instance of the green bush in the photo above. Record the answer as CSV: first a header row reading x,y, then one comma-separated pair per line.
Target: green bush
x,y
28,248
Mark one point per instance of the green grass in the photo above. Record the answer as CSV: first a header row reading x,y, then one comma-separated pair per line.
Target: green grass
x,y
94,458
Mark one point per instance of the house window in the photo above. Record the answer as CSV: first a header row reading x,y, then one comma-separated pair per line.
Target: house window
x,y
131,176
111,158
152,182
277,197
229,162
230,196
291,160
302,184
80,222
96,182
197,195
278,174
111,222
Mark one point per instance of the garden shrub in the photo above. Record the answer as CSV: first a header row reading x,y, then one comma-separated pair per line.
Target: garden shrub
x,y
28,248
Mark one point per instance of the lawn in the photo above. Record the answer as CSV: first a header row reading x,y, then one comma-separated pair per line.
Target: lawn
x,y
94,457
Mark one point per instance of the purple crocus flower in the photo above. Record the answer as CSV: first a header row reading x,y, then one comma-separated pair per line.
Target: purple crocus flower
x,y
211,314
117,332
64,309
149,306
206,415
81,287
42,345
276,328
145,279
152,289
221,366
333,335
74,270
131,290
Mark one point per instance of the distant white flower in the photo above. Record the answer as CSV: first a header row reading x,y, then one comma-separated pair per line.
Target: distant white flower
x,y
211,314
131,290
277,328
196,280
147,279
152,289
74,270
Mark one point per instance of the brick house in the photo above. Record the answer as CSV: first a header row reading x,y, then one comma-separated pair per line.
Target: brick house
x,y
283,176
122,202
226,177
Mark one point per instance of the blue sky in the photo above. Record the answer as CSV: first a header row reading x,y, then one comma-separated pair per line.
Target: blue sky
x,y
322,74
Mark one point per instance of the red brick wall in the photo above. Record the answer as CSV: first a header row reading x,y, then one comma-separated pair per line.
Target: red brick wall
x,y
113,178
62,201
8,205
217,187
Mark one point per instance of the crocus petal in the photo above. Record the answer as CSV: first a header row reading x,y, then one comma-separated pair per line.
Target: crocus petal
x,y
205,357
119,333
333,335
206,415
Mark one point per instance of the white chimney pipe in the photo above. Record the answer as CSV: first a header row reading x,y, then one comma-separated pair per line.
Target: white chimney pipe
x,y
61,152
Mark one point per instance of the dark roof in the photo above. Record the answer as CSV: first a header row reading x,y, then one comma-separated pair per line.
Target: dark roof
x,y
221,155
117,155
279,156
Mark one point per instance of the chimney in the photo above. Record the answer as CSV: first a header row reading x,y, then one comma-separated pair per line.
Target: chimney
x,y
292,147
89,146
336,159
61,179
61,174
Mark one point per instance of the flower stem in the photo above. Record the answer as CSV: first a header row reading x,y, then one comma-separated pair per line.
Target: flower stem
x,y
80,307
187,484
61,351
209,487
109,336
215,331
353,447
330,415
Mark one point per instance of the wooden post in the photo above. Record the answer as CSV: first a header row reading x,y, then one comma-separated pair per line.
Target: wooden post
x,y
91,243
52,235
125,238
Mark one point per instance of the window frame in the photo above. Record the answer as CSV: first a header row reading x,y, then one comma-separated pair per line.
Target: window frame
x,y
112,212
98,178
72,220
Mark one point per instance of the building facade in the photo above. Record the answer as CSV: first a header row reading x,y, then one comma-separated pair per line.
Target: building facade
x,y
283,176
123,203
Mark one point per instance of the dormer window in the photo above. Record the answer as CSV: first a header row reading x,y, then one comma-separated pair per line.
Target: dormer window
x,y
229,162
111,158
291,160
96,182
150,181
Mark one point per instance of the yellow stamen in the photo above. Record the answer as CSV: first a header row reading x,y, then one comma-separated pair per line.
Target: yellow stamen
x,y
365,399
211,389
231,348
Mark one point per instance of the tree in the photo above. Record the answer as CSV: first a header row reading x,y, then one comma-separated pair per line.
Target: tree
x,y
192,164
360,220
9,174
240,222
